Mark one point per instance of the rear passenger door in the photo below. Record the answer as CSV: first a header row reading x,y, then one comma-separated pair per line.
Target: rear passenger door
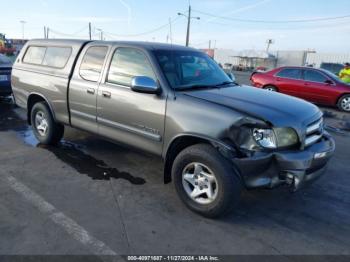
x,y
83,88
289,81
136,119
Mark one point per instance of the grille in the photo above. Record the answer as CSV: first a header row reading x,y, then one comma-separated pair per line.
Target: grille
x,y
314,132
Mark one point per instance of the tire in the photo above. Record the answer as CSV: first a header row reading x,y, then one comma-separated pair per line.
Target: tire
x,y
344,103
227,192
270,88
49,132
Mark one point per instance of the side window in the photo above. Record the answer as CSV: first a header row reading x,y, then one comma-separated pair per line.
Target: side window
x,y
57,56
290,73
91,66
128,63
48,56
35,55
313,76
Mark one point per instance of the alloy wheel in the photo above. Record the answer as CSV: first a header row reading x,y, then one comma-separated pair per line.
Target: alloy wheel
x,y
200,183
345,103
41,123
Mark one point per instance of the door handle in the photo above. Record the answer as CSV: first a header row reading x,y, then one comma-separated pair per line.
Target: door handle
x,y
91,91
106,94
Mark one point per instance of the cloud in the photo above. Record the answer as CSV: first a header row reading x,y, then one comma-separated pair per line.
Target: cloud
x,y
93,19
242,9
129,10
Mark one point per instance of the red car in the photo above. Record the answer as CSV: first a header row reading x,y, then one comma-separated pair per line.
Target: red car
x,y
315,85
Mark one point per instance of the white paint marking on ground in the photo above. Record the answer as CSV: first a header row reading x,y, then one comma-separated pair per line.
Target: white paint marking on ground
x,y
96,246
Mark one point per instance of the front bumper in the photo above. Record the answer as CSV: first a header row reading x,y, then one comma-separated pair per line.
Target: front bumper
x,y
5,88
293,168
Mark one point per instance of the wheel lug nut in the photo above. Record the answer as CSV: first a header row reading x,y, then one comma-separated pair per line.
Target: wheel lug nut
x,y
201,188
196,183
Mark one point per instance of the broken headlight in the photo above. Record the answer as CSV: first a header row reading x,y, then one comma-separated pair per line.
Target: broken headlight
x,y
275,138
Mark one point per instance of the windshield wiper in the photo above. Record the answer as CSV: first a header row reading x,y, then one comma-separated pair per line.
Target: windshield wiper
x,y
192,87
199,86
226,83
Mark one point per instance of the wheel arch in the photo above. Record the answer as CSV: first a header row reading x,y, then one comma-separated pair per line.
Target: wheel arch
x,y
34,98
183,141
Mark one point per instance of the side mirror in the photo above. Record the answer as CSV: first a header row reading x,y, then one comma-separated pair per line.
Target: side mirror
x,y
144,84
329,82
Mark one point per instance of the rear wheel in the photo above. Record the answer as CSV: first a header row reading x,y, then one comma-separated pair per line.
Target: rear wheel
x,y
271,88
45,129
205,181
344,103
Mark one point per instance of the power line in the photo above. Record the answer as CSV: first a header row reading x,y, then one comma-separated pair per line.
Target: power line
x,y
67,34
146,32
273,21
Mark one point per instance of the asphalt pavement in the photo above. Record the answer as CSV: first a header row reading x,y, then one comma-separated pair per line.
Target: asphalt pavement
x,y
90,196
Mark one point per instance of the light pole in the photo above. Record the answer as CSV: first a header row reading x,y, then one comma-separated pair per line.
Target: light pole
x,y
189,17
101,33
23,23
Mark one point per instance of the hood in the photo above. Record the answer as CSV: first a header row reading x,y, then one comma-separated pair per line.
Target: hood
x,y
278,109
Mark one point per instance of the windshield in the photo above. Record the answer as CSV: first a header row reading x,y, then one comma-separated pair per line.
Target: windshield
x,y
4,60
333,76
190,69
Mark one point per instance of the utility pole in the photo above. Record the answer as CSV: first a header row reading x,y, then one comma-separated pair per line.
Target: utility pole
x,y
189,17
45,32
209,44
269,42
23,23
90,31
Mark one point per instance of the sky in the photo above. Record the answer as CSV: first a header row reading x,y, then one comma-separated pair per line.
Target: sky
x,y
148,20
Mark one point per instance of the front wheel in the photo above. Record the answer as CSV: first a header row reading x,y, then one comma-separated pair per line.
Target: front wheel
x,y
45,129
344,103
205,181
270,88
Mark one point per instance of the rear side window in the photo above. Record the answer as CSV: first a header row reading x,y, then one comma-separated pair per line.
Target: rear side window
x,y
56,57
290,73
91,66
313,76
128,63
35,55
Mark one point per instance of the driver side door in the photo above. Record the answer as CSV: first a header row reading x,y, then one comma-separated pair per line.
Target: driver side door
x,y
136,119
316,87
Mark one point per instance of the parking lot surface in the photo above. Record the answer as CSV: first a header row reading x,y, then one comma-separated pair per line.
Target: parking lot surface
x,y
90,196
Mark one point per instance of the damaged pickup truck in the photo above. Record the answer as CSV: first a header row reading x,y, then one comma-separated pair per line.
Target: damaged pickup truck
x,y
214,136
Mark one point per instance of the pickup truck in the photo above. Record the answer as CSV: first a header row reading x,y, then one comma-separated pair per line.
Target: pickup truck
x,y
214,136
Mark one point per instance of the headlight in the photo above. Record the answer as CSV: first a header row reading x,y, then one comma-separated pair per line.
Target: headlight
x,y
274,138
265,138
286,137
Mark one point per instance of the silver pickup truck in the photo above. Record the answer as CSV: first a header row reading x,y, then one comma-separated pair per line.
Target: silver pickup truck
x,y
214,136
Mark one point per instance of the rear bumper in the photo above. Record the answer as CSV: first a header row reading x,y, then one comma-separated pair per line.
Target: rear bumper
x,y
293,168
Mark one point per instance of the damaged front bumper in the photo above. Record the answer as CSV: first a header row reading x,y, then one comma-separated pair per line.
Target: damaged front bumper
x,y
293,168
